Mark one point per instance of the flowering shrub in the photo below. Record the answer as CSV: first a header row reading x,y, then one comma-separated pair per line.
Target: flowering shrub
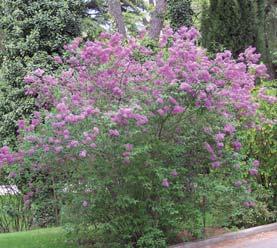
x,y
127,133
260,142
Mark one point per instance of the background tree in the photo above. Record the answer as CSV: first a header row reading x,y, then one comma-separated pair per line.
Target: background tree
x,y
157,19
180,13
115,10
248,24
237,24
228,24
122,10
128,14
266,39
33,31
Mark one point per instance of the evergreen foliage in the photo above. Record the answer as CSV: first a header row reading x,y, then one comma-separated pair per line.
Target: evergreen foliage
x,y
229,24
33,30
180,13
267,35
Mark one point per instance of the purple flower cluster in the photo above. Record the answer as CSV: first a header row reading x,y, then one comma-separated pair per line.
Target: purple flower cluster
x,y
249,204
105,87
165,183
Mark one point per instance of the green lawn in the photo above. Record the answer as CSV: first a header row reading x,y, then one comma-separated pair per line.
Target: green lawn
x,y
41,238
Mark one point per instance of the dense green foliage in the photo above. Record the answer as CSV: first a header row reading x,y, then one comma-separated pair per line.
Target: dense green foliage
x,y
129,204
180,13
228,24
266,39
261,143
32,32
237,24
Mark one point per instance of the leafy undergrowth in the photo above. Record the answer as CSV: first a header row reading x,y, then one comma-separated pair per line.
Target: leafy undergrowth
x,y
41,238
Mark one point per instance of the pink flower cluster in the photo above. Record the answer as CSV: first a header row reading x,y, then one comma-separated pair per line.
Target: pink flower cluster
x,y
264,96
123,116
254,170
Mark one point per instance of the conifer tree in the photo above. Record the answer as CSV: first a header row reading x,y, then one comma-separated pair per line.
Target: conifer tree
x,y
180,13
229,24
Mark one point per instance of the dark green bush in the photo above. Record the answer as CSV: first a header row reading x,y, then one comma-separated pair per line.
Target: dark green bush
x,y
228,24
153,238
180,13
32,32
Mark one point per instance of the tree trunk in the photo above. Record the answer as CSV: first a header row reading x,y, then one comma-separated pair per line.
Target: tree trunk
x,y
115,11
157,19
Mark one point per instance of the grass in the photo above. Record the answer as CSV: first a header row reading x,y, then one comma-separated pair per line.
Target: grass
x,y
41,238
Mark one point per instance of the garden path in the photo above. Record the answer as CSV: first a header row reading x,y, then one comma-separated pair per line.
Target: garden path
x,y
261,240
